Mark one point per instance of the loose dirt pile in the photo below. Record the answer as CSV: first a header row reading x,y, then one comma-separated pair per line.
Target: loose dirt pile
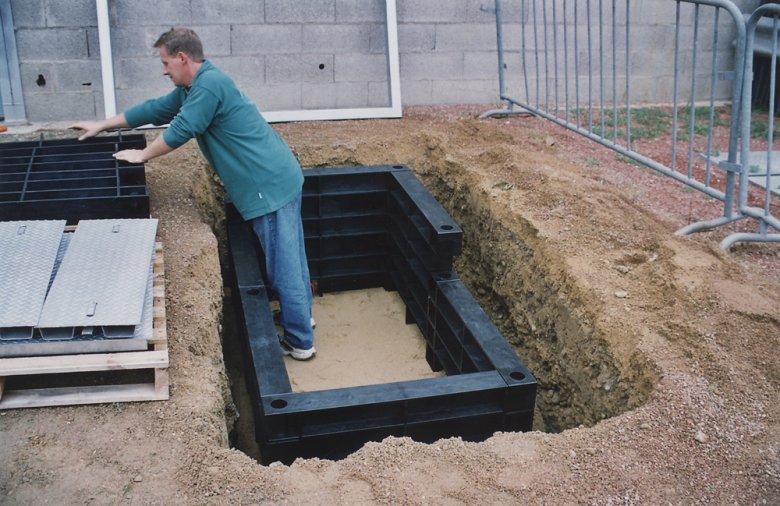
x,y
655,354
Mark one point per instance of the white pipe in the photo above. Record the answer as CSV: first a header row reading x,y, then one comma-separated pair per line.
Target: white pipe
x,y
106,59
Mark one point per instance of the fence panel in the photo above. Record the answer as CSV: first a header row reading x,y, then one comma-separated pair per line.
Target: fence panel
x,y
575,65
761,166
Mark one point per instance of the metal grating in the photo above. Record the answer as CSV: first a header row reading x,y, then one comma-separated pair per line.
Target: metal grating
x,y
108,262
101,286
72,180
28,251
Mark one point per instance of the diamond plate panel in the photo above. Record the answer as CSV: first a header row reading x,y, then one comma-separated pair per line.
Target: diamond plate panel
x,y
103,278
28,250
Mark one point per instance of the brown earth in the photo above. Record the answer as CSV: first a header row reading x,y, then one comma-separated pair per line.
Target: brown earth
x,y
655,354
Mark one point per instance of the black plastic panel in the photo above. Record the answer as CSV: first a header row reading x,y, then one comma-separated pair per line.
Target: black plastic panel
x,y
71,180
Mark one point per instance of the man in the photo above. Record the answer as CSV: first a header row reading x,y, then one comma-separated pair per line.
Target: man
x,y
259,171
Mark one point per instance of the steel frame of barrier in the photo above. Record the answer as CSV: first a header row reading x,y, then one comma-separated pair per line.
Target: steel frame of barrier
x,y
763,215
585,98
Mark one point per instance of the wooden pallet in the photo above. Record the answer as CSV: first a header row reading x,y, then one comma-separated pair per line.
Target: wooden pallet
x,y
61,366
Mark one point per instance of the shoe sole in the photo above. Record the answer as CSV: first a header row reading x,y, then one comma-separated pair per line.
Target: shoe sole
x,y
302,357
296,353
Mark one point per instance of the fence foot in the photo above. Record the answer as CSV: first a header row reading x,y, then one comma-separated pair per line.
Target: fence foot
x,y
742,237
500,113
701,226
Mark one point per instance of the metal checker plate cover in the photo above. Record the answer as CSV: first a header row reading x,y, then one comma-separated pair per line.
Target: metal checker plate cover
x,y
104,275
28,250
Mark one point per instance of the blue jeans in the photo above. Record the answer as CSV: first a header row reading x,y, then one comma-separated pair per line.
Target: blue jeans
x,y
281,236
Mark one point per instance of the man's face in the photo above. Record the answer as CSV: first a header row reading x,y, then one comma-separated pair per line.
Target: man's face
x,y
173,67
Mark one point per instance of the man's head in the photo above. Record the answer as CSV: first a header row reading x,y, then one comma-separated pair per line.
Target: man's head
x,y
181,54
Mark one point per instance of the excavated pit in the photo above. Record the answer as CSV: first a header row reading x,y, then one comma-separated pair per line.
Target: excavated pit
x,y
580,382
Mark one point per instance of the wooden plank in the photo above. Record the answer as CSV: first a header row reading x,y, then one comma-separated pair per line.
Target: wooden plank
x,y
161,382
67,396
83,363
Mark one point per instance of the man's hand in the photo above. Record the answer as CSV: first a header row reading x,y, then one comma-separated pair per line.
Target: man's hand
x,y
130,156
91,128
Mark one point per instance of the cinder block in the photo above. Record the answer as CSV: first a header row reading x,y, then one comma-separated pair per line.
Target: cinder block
x,y
334,95
266,39
481,64
361,67
377,38
93,43
419,66
126,98
305,68
474,37
51,44
135,41
335,38
417,92
30,73
59,106
465,92
656,37
360,11
300,11
73,13
517,36
246,71
78,76
416,38
215,39
443,11
659,12
28,13
481,11
151,12
140,73
379,94
227,11
276,98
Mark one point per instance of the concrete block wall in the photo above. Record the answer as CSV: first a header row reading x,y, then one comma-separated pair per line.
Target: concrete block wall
x,y
310,54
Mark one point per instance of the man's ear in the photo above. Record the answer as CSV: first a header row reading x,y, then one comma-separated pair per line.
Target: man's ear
x,y
182,56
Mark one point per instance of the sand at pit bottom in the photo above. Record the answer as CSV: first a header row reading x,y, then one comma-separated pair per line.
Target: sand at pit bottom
x,y
361,339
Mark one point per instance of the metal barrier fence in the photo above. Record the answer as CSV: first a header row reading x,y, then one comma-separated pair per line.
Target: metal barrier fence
x,y
760,167
576,68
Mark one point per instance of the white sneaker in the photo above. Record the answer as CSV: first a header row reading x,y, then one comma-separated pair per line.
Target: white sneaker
x,y
296,353
313,323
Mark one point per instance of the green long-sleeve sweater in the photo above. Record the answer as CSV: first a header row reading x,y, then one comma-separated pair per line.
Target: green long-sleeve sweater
x,y
259,171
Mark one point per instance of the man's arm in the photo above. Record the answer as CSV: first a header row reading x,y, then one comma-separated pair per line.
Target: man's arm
x,y
158,147
92,128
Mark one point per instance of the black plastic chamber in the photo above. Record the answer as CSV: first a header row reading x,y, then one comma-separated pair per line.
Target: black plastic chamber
x,y
378,227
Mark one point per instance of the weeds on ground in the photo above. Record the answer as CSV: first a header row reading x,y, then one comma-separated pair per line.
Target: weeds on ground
x,y
651,122
759,124
630,161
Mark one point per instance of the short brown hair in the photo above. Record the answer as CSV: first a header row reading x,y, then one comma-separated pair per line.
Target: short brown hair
x,y
181,39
